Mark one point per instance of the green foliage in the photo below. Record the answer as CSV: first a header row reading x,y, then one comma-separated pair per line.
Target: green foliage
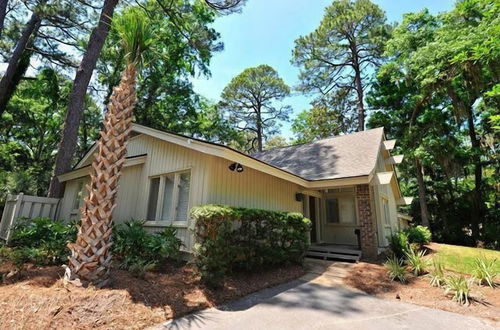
x,y
416,261
436,276
140,251
335,59
396,269
460,287
41,240
398,244
230,238
485,271
419,234
251,98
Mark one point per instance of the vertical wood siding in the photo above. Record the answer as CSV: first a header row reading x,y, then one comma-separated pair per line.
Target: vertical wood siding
x,y
211,182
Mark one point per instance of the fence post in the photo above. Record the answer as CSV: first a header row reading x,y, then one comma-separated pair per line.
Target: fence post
x,y
15,214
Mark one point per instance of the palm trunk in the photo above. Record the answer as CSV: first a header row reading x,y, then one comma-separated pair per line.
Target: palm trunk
x,y
15,60
476,210
69,137
90,255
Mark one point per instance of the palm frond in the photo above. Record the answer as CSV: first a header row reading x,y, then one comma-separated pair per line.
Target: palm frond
x,y
136,34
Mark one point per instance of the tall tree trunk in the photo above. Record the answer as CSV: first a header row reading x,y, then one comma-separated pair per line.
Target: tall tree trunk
x,y
259,132
3,12
90,254
424,213
24,63
69,137
6,83
359,91
476,210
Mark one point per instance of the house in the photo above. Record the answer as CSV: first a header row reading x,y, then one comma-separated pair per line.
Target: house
x,y
346,184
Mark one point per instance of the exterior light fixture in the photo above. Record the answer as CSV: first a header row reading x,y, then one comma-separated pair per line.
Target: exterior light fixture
x,y
236,167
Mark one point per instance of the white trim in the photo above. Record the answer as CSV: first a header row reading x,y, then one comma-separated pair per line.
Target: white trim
x,y
382,178
389,144
394,160
84,171
405,217
404,201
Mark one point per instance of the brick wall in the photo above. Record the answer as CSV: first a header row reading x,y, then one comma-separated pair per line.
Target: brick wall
x,y
366,222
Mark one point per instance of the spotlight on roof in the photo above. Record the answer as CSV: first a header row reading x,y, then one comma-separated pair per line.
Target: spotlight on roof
x,y
236,167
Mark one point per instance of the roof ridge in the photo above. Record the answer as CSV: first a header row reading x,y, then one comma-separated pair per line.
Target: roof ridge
x,y
315,141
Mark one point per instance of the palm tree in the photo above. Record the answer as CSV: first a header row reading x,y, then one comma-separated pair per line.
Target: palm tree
x,y
90,258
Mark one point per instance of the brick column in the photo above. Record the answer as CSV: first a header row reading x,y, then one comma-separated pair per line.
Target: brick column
x,y
366,222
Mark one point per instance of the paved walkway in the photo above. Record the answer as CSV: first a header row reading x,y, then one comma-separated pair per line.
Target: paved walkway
x,y
318,301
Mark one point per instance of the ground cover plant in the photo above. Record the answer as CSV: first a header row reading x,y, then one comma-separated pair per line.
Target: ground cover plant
x,y
396,269
42,241
459,287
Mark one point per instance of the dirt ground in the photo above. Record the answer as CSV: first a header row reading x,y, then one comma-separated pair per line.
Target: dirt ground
x,y
373,279
36,298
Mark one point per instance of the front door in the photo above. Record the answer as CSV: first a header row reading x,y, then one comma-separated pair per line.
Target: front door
x,y
313,218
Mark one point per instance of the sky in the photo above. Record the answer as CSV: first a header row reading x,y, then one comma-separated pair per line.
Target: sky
x,y
264,33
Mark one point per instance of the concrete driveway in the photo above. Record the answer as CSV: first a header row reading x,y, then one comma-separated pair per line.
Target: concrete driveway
x,y
312,304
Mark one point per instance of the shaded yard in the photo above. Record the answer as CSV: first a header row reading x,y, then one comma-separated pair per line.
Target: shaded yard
x,y
36,298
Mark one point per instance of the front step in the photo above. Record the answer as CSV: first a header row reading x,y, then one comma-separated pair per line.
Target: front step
x,y
335,253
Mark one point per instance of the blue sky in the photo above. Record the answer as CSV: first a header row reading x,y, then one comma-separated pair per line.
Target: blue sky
x,y
264,33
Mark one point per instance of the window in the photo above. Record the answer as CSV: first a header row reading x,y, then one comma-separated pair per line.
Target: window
x,y
385,205
341,210
169,197
77,200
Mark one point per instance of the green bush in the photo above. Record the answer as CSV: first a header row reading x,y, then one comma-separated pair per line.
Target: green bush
x,y
229,238
398,244
140,251
396,269
41,241
419,234
484,271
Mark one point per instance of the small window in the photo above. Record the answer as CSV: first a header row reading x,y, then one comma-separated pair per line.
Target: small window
x,y
173,199
332,210
341,210
77,200
153,197
385,205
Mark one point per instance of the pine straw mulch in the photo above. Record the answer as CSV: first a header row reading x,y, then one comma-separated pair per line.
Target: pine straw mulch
x,y
373,279
35,298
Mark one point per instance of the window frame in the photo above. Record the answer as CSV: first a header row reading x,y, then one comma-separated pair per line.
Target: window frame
x,y
171,221
338,196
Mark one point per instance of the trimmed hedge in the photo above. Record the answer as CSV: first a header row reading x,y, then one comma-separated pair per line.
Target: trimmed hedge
x,y
229,238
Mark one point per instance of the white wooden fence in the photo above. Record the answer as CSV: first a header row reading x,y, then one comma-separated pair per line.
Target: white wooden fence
x,y
24,206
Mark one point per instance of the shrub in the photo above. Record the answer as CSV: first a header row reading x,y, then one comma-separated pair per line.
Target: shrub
x,y
419,234
460,287
396,269
484,271
437,274
229,238
42,240
398,243
140,251
416,261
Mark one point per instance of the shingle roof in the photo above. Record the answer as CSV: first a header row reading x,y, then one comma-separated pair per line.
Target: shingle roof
x,y
337,157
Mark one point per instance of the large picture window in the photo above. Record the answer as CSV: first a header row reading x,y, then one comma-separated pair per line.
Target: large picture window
x,y
169,197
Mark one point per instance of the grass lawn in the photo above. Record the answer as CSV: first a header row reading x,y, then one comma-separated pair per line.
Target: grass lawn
x,y
461,258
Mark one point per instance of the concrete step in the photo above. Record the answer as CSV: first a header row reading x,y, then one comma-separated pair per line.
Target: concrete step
x,y
331,255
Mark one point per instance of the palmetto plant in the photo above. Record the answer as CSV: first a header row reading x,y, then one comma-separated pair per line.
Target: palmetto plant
x,y
90,254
